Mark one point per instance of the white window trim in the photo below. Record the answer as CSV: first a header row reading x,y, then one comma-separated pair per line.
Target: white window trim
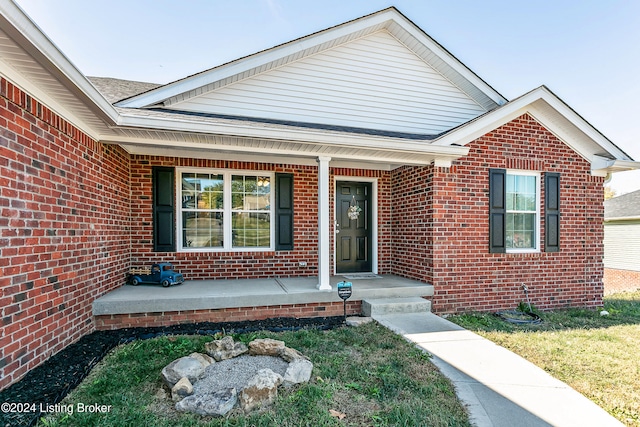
x,y
227,209
537,247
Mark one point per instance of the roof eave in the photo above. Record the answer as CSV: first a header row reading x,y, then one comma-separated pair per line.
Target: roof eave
x,y
538,103
296,134
602,166
17,24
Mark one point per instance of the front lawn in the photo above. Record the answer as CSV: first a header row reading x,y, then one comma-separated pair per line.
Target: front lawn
x,y
596,355
364,376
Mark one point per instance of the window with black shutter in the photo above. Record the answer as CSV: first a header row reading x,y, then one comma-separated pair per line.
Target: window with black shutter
x,y
552,212
497,210
515,213
163,209
284,211
222,210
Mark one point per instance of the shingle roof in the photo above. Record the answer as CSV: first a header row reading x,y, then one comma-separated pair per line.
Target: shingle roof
x,y
625,206
115,90
288,123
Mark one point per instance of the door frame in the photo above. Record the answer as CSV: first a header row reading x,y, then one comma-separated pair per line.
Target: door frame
x,y
374,217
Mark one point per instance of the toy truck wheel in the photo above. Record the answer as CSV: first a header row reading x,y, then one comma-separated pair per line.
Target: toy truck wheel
x,y
166,283
135,281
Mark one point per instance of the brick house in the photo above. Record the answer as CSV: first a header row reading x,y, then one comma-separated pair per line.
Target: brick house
x,y
363,148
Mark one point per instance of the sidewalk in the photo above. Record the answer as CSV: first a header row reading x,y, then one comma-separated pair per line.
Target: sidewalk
x,y
499,387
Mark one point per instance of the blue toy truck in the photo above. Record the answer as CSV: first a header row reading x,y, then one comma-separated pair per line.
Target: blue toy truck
x,y
161,273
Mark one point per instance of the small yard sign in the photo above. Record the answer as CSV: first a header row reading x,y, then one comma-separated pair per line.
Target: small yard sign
x,y
344,292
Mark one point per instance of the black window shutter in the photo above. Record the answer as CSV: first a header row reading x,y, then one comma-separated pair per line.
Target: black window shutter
x,y
284,211
164,236
497,210
552,212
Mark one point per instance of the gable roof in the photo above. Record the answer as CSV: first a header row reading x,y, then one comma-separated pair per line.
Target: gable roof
x,y
160,127
555,115
625,207
389,20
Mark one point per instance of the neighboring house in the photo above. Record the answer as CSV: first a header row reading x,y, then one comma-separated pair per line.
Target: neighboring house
x,y
622,242
250,169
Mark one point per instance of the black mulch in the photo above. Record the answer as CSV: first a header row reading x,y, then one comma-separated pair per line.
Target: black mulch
x,y
50,382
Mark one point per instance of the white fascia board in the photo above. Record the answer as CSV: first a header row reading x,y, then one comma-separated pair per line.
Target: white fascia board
x,y
40,47
527,104
298,135
266,155
255,157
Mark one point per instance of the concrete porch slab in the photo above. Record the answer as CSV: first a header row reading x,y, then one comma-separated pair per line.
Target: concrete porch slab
x,y
233,293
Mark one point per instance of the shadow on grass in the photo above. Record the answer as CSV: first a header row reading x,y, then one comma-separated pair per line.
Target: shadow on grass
x,y
622,309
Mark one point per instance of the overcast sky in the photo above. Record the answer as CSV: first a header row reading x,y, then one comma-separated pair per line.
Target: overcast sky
x,y
587,52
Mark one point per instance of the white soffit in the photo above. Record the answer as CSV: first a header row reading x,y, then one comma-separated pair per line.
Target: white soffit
x,y
389,19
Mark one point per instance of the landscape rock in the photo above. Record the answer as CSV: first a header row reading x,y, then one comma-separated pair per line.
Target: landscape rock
x,y
218,402
290,354
299,371
261,390
182,389
186,366
225,348
205,359
225,377
266,347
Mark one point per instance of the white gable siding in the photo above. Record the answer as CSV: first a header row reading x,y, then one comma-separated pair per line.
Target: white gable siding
x,y
374,82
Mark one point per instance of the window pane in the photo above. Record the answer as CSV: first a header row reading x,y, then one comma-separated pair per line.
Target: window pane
x,y
237,192
250,193
520,230
525,193
251,229
202,191
202,229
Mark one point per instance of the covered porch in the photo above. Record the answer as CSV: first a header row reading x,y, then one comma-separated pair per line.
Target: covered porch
x,y
243,299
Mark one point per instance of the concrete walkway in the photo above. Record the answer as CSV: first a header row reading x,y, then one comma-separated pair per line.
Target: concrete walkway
x,y
499,387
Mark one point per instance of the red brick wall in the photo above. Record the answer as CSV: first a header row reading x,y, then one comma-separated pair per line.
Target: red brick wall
x,y
253,264
412,222
211,265
466,276
64,227
117,321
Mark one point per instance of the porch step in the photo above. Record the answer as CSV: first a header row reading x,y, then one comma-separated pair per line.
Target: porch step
x,y
373,307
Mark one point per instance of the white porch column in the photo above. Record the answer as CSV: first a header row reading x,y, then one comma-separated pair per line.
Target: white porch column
x,y
324,241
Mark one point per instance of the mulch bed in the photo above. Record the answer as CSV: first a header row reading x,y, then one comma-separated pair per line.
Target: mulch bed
x,y
51,381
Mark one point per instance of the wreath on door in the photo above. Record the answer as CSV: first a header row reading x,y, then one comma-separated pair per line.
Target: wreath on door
x,y
354,210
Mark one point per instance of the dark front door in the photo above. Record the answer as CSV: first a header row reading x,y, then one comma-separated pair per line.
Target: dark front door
x,y
353,241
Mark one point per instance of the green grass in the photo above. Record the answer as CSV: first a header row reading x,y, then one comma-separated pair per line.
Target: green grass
x,y
596,355
369,374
